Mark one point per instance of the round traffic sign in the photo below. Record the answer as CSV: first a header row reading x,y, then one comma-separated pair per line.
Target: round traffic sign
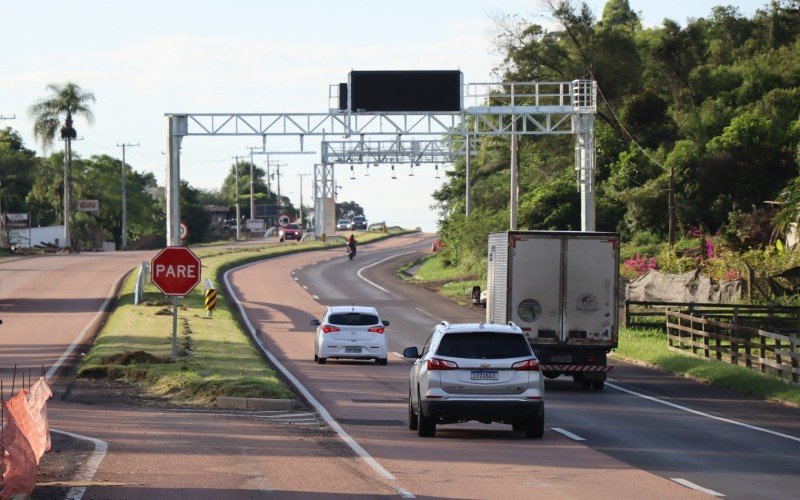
x,y
183,231
284,220
175,271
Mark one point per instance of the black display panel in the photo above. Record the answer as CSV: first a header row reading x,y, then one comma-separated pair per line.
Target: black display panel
x,y
405,91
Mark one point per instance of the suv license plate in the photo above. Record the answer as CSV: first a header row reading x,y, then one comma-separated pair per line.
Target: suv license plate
x,y
484,375
352,349
563,358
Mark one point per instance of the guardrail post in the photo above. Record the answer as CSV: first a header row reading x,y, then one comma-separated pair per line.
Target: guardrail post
x,y
210,296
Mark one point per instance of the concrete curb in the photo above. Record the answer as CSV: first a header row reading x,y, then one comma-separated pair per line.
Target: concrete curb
x,y
255,403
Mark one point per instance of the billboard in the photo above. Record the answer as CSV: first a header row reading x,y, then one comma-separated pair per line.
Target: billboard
x,y
404,91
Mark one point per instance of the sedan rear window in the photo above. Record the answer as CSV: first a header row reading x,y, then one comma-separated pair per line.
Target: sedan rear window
x,y
483,345
353,319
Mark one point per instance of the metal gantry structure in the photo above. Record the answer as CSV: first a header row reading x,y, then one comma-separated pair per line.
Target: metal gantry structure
x,y
488,109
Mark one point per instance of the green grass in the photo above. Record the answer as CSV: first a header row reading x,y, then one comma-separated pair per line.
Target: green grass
x,y
216,356
452,282
650,347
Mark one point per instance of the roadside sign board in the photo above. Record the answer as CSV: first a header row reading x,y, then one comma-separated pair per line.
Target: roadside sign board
x,y
88,205
284,220
255,224
183,231
175,271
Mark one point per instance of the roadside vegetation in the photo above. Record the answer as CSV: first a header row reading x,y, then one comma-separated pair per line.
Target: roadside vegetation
x,y
216,356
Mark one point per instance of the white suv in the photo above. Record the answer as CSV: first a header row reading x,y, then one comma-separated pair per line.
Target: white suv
x,y
475,371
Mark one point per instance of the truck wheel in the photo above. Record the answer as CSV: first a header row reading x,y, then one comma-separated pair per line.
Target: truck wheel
x,y
597,385
551,374
535,428
413,422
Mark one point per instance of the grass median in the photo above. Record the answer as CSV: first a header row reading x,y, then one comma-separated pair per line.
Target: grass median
x,y
216,357
648,347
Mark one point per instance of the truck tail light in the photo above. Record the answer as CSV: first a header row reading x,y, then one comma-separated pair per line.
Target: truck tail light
x,y
441,364
531,365
329,329
375,329
590,359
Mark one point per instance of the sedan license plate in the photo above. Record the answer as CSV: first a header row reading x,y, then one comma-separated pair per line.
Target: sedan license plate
x,y
563,358
484,375
352,349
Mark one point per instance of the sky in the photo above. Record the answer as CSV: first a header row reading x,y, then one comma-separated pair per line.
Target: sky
x,y
146,58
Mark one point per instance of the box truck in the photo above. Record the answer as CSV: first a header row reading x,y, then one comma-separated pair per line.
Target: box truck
x,y
560,287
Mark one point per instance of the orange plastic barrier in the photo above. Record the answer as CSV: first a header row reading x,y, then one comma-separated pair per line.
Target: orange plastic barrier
x,y
25,438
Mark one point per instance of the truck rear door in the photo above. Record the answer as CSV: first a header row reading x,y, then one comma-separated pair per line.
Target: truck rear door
x,y
590,315
534,301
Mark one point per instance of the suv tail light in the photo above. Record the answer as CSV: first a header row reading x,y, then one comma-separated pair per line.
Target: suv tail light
x,y
375,329
531,365
329,329
441,364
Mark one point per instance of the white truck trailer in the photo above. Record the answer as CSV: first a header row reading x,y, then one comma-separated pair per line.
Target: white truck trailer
x,y
560,287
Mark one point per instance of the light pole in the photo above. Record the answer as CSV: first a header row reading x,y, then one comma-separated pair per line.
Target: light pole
x,y
124,236
301,197
238,215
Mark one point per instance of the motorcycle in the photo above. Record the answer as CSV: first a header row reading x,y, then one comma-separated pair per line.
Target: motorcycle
x,y
351,251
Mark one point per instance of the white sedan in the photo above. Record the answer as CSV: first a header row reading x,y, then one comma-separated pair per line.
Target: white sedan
x,y
350,332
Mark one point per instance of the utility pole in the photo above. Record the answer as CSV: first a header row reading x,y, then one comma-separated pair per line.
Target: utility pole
x,y
252,192
124,239
278,178
301,197
2,217
671,203
238,215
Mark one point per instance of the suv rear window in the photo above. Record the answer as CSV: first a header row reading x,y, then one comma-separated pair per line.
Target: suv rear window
x,y
359,218
353,319
484,345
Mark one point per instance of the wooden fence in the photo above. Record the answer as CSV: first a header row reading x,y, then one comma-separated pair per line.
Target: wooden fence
x,y
771,318
767,352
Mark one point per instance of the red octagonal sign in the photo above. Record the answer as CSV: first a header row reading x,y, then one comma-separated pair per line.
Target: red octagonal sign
x,y
175,271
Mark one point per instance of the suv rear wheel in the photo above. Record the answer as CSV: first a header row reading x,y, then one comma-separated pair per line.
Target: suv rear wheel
x,y
426,426
534,428
413,422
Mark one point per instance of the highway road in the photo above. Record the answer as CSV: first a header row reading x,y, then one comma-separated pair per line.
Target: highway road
x,y
648,435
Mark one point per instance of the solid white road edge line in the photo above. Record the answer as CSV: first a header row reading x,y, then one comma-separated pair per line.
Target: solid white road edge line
x,y
99,453
53,369
567,433
375,264
361,452
693,486
703,414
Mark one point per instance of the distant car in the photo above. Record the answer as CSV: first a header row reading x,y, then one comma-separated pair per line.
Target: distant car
x,y
343,225
472,371
350,332
359,222
290,232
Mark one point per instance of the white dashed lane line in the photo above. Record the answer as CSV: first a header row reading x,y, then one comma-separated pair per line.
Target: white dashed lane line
x,y
693,486
567,433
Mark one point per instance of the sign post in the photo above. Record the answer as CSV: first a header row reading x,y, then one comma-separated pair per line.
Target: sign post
x,y
175,271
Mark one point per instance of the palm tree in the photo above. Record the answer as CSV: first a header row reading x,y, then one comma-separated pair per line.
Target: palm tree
x,y
66,102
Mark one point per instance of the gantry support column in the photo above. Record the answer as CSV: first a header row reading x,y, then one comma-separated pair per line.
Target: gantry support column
x,y
177,129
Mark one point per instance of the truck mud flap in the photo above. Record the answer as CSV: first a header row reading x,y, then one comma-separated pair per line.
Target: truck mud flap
x,y
576,368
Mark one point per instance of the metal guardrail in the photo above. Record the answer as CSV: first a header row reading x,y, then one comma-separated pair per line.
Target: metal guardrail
x,y
138,292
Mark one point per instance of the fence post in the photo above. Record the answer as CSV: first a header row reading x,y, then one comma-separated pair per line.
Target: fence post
x,y
778,360
627,314
718,343
705,339
734,347
795,364
748,362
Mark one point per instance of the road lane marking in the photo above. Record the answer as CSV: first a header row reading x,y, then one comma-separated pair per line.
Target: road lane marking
x,y
426,312
703,414
85,330
305,287
90,469
315,297
693,486
375,264
321,410
296,279
567,433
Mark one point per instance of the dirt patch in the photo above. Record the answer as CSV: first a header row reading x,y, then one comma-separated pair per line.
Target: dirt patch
x,y
60,465
133,358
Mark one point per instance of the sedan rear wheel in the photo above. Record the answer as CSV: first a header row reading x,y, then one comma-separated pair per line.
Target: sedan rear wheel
x,y
322,361
382,361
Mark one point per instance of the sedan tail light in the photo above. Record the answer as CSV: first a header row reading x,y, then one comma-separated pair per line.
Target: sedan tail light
x,y
527,365
375,329
441,364
329,329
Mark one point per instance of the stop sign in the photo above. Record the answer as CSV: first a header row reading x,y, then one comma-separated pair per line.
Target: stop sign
x,y
175,271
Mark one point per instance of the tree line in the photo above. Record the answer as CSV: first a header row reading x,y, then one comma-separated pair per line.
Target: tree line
x,y
715,102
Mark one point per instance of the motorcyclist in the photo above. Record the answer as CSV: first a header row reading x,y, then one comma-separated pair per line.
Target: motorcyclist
x,y
351,246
